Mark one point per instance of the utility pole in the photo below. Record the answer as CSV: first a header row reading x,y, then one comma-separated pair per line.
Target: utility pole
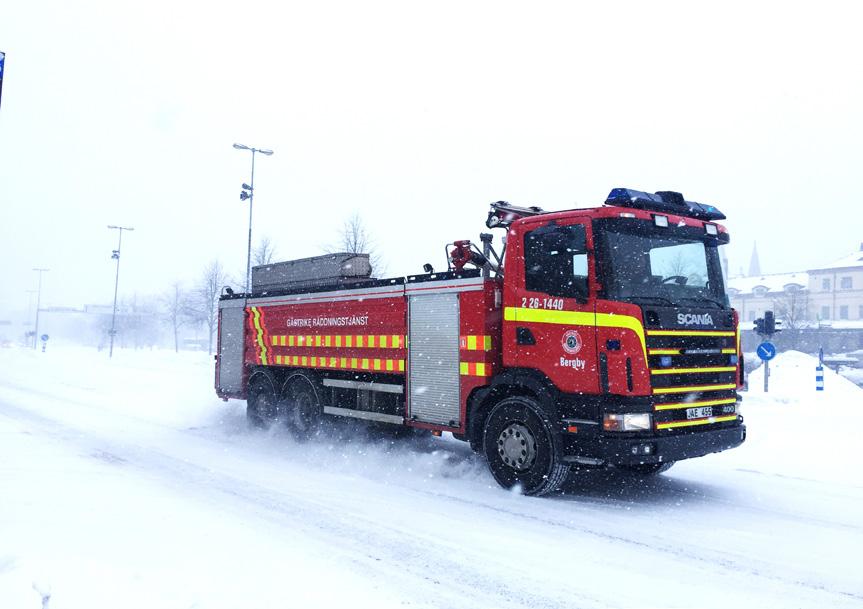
x,y
248,192
31,294
38,305
116,256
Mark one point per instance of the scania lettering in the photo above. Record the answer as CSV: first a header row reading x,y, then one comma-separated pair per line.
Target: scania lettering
x,y
598,337
688,319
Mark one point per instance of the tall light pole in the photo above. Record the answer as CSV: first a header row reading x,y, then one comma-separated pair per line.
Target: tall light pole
x,y
116,256
248,192
38,305
31,294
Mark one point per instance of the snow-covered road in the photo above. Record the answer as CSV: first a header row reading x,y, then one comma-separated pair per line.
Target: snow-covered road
x,y
128,484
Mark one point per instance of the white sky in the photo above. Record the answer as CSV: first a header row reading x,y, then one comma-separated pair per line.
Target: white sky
x,y
417,115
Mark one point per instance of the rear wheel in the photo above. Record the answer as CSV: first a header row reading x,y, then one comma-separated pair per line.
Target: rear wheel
x,y
261,402
647,469
300,407
520,447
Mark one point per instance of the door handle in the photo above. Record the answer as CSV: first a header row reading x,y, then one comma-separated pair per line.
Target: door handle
x,y
523,336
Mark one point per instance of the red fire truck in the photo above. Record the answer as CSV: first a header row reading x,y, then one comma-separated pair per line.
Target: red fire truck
x,y
596,337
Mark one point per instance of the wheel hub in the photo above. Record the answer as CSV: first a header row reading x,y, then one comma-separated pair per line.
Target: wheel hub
x,y
517,446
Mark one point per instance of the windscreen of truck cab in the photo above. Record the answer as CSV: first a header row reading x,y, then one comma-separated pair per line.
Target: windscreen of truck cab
x,y
672,265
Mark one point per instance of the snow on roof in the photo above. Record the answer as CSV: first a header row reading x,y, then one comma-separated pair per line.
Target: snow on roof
x,y
774,283
843,324
849,261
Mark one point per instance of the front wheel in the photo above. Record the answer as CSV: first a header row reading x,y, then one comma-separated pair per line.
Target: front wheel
x,y
520,447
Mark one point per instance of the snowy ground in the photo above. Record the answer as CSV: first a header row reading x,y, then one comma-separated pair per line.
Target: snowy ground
x,y
127,484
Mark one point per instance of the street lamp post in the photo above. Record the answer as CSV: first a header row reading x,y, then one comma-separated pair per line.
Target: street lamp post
x,y
31,294
116,256
248,192
38,306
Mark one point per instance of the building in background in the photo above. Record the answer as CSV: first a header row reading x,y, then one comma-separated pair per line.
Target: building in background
x,y
836,290
822,307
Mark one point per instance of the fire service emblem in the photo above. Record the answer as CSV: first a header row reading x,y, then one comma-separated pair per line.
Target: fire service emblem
x,y
571,342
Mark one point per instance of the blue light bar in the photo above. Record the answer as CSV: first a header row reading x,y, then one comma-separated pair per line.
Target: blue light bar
x,y
664,201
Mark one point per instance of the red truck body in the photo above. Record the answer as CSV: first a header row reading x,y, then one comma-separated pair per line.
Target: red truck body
x,y
540,374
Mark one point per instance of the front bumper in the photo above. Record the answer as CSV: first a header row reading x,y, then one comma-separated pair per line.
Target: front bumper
x,y
616,449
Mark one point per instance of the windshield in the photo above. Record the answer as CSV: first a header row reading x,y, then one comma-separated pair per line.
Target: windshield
x,y
665,265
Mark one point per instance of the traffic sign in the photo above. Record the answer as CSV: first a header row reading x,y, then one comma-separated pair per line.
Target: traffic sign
x,y
44,337
766,351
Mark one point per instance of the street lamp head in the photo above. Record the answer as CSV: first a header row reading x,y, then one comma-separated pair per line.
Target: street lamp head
x,y
241,147
267,152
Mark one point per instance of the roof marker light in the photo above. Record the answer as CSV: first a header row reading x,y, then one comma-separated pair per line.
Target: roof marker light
x,y
627,214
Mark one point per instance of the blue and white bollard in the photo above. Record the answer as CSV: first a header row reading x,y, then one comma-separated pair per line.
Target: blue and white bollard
x,y
819,378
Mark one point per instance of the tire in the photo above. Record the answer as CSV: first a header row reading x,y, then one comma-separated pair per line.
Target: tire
x,y
647,469
300,406
261,402
521,448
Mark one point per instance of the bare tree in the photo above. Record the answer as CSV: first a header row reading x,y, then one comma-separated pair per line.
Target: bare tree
x,y
354,238
791,307
207,298
177,309
680,265
264,252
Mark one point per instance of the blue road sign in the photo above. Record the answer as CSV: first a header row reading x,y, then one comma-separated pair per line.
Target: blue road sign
x,y
2,62
766,351
44,337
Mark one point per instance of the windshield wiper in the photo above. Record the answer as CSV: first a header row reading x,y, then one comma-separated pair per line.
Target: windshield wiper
x,y
704,299
660,298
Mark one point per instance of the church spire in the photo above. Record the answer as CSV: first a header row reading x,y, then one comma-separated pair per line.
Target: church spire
x,y
754,265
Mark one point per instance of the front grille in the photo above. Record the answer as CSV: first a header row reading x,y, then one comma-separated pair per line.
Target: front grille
x,y
701,376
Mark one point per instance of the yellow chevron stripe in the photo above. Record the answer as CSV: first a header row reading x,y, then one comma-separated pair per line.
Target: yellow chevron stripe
x,y
259,338
688,333
694,370
673,424
382,341
476,342
694,388
347,363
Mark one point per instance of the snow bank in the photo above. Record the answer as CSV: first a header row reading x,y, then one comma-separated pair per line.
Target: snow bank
x,y
792,376
796,431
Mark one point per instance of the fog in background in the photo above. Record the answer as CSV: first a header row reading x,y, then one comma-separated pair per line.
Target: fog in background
x,y
414,115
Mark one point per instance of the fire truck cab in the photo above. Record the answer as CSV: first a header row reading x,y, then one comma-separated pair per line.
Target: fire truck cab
x,y
597,337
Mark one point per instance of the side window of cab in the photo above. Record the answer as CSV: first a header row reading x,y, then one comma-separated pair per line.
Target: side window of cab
x,y
555,261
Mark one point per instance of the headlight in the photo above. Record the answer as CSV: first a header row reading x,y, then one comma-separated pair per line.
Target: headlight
x,y
627,422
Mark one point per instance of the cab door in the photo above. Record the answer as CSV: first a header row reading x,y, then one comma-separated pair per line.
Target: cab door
x,y
549,303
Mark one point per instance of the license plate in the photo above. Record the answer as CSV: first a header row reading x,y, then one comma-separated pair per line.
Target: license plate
x,y
699,413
